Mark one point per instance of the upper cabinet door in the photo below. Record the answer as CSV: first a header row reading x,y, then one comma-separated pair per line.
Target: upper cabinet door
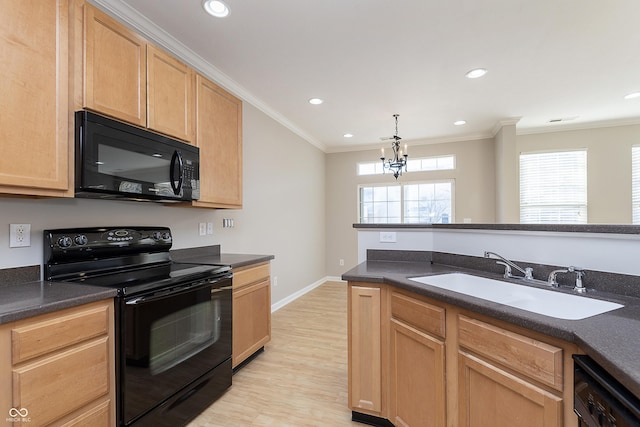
x,y
34,101
170,94
115,68
219,137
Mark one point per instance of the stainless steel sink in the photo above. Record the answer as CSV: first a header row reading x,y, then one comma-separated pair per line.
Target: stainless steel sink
x,y
540,301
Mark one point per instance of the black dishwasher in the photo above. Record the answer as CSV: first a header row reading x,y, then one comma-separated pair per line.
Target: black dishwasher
x,y
599,399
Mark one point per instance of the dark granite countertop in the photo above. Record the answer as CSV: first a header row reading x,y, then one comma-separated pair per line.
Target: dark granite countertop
x,y
212,255
22,300
612,339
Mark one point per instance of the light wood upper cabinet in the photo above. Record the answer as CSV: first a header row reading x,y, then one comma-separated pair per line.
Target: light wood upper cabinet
x,y
114,68
34,101
170,95
219,137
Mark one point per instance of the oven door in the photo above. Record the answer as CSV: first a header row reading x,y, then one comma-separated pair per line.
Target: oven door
x,y
168,340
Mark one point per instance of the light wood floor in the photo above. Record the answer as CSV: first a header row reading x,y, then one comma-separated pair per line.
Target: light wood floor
x,y
301,378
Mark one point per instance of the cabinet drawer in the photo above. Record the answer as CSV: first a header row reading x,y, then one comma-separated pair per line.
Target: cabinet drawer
x,y
53,387
97,416
530,357
251,274
419,314
44,334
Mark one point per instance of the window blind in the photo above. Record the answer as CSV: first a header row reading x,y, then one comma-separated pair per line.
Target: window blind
x,y
553,187
635,184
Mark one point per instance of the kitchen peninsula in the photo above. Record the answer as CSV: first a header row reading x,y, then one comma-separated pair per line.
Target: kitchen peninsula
x,y
411,339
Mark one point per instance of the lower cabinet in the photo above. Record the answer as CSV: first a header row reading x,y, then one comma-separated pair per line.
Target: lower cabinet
x,y
491,396
58,368
365,349
251,310
415,361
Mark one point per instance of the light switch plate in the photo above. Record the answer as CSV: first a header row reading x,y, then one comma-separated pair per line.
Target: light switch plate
x,y
387,236
203,229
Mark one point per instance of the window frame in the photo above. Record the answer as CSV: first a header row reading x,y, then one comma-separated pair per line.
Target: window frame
x,y
635,184
581,206
402,185
378,165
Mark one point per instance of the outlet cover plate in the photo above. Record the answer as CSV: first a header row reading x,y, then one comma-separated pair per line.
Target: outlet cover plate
x,y
19,235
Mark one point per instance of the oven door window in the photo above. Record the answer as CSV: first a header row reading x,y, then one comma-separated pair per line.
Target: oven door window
x,y
170,341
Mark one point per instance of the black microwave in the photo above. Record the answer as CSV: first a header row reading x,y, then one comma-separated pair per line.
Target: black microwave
x,y
119,161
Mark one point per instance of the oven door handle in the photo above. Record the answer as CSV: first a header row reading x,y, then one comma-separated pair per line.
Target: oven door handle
x,y
176,291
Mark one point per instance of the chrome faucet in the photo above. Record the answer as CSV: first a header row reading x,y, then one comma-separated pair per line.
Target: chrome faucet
x,y
579,287
508,265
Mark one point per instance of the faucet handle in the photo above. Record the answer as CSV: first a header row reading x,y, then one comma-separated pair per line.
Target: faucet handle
x,y
507,269
579,275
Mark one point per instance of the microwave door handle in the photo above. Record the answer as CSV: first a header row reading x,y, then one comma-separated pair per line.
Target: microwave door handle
x,y
177,157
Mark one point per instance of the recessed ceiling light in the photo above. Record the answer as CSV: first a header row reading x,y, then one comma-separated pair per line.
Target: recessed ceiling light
x,y
348,135
216,8
459,122
475,73
632,95
316,101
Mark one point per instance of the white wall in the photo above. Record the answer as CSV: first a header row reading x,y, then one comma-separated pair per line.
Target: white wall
x,y
283,212
614,253
474,190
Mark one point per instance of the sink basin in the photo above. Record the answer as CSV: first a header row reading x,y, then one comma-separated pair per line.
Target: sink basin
x,y
540,301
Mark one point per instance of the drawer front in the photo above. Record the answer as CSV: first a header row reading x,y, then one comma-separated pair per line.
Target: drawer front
x,y
97,416
247,275
56,386
35,337
530,357
419,314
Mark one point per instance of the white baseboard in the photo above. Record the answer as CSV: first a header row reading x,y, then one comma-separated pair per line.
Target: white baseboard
x,y
294,296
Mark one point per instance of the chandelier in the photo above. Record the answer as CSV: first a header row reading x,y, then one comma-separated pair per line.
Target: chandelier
x,y
399,159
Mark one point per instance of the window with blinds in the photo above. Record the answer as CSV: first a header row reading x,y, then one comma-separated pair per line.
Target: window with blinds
x,y
553,187
413,202
635,184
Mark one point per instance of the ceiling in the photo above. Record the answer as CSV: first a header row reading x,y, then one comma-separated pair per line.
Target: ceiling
x,y
368,59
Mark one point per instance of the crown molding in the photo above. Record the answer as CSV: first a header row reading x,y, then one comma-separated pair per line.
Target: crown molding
x,y
502,123
559,127
152,32
412,142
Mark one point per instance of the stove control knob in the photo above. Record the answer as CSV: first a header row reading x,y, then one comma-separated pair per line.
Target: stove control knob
x,y
166,235
81,239
156,235
64,242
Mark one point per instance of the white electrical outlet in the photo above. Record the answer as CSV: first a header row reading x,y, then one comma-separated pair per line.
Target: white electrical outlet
x,y
209,228
341,262
19,235
203,228
275,281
